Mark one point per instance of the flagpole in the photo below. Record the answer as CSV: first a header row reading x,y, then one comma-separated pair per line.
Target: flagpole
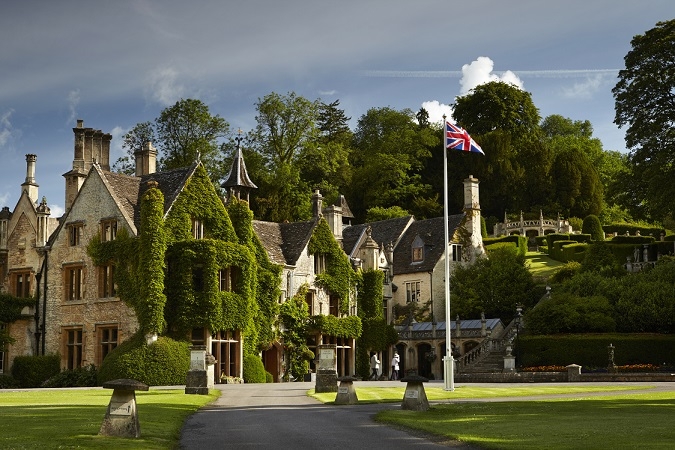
x,y
448,361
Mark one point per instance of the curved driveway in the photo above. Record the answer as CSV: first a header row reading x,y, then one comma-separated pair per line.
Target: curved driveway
x,y
282,416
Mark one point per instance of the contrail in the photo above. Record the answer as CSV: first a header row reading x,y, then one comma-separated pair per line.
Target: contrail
x,y
564,73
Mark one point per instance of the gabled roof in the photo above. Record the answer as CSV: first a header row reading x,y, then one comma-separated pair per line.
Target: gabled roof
x,y
342,203
128,190
284,242
383,232
432,232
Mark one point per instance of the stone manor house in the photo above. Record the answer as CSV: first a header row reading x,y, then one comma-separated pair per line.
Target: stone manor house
x,y
78,314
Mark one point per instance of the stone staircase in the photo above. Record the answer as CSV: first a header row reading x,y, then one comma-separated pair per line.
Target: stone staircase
x,y
489,356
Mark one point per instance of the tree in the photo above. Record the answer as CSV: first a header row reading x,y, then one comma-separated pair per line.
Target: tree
x,y
493,285
286,127
389,152
577,188
592,226
644,104
497,106
187,129
133,141
180,133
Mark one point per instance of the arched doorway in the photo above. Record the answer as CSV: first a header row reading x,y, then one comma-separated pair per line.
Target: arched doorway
x,y
424,360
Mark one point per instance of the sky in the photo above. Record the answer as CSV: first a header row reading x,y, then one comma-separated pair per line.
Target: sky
x,y
117,63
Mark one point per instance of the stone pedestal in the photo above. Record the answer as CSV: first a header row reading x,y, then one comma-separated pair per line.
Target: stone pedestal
x,y
200,376
121,418
573,372
415,398
509,360
326,373
346,393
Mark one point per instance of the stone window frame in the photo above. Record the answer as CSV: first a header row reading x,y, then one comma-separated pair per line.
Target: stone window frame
x,y
456,252
197,228
413,291
319,263
107,339
73,340
108,229
75,233
107,288
228,277
74,277
18,285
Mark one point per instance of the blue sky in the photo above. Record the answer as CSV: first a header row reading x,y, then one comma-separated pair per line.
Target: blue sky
x,y
116,63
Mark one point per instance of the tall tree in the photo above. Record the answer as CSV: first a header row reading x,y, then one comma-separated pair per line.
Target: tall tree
x,y
286,127
645,104
389,152
187,129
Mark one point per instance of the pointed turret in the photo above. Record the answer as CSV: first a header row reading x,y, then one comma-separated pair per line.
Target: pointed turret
x,y
237,182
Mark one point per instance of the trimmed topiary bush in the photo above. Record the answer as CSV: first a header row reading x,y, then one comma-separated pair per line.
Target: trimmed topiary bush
x,y
254,370
269,378
32,371
162,363
593,227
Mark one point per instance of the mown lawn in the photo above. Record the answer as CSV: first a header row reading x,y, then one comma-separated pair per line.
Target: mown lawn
x,y
608,422
71,418
395,393
541,266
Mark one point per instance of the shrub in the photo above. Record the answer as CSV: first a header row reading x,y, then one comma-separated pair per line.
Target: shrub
x,y
566,272
8,382
569,313
254,370
80,377
162,363
593,227
269,378
32,371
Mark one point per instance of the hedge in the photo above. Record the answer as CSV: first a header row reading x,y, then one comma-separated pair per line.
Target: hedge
x,y
519,241
32,371
622,228
254,370
590,350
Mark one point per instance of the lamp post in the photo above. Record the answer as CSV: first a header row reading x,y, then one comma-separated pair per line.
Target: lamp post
x,y
518,318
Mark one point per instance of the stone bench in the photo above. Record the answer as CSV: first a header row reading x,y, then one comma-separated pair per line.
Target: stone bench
x,y
121,418
415,398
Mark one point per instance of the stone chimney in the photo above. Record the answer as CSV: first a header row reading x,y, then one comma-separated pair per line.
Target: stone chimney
x,y
146,160
472,211
334,219
43,213
317,204
29,186
369,252
90,147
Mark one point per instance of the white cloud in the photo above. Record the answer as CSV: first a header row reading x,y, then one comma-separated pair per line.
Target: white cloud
x,y
162,87
6,129
480,72
437,110
584,89
56,210
73,102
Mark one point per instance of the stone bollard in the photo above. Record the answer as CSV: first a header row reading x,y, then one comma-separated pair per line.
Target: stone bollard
x,y
346,394
200,376
121,418
415,398
573,372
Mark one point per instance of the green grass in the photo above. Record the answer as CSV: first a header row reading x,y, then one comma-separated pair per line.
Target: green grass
x,y
626,421
67,418
395,394
541,265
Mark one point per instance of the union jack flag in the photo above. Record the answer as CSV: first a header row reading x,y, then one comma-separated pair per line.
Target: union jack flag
x,y
458,139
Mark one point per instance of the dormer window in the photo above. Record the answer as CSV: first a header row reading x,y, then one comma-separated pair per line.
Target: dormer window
x,y
418,250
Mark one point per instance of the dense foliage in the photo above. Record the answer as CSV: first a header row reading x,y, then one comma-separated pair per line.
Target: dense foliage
x,y
10,310
493,286
254,370
32,371
162,363
293,319
644,104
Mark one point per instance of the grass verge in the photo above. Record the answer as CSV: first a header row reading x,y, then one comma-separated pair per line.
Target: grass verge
x,y
541,266
625,421
67,418
395,394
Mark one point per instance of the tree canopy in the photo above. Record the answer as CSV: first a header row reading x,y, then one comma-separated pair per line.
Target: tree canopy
x,y
645,105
